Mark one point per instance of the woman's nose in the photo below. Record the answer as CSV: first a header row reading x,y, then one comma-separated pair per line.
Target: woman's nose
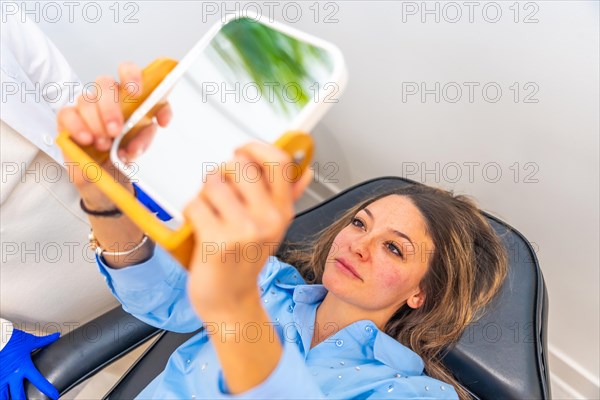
x,y
360,247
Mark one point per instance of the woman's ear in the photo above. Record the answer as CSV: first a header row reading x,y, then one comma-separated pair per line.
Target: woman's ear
x,y
416,300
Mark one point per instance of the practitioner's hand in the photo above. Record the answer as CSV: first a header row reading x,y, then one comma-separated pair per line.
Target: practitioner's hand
x,y
239,220
17,366
97,120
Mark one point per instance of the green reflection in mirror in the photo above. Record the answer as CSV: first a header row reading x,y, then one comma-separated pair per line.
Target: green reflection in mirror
x,y
271,58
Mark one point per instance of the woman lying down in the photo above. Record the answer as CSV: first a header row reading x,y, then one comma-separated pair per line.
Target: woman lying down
x,y
363,312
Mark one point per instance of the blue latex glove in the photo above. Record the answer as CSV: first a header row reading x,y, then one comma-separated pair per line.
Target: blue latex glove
x,y
16,365
151,204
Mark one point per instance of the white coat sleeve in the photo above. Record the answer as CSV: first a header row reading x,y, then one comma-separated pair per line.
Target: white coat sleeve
x,y
41,60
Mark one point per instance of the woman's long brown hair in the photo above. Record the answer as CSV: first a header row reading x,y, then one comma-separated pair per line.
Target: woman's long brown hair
x,y
466,269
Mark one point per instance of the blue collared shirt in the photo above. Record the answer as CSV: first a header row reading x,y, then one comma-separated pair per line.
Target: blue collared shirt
x,y
358,362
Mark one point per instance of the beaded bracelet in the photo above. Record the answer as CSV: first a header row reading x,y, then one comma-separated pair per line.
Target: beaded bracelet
x,y
95,246
115,212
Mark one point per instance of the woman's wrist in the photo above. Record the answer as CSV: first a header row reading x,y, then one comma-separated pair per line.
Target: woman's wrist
x,y
91,194
142,252
123,244
247,359
231,310
94,199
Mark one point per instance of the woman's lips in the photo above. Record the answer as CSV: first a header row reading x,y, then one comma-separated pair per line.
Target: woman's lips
x,y
345,266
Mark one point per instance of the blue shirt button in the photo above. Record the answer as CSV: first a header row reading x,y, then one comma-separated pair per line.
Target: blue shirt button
x,y
369,329
290,308
339,343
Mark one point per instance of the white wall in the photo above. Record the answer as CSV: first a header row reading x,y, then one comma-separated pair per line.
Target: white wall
x,y
372,131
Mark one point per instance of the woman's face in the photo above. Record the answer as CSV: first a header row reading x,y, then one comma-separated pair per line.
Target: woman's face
x,y
377,262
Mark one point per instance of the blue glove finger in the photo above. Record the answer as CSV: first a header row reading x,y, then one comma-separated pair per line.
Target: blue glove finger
x,y
21,342
17,392
36,378
42,341
4,392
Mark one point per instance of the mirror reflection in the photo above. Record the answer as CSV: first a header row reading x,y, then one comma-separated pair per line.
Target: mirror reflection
x,y
250,82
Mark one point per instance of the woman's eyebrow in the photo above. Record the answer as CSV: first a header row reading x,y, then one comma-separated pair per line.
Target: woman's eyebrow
x,y
397,233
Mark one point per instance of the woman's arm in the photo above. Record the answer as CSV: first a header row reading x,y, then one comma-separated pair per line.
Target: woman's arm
x,y
246,364
245,220
154,292
153,287
96,120
115,234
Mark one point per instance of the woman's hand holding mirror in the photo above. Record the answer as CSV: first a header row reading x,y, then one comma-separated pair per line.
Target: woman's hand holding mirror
x,y
97,119
239,221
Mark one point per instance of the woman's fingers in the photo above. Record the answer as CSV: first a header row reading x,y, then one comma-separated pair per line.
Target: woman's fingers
x,y
201,215
109,107
223,198
283,179
101,113
138,144
247,182
130,76
164,115
301,184
70,120
98,117
89,113
270,199
277,166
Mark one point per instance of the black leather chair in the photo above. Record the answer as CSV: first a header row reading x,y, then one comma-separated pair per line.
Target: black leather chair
x,y
502,356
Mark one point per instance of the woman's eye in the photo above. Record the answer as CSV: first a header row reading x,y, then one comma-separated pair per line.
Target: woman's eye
x,y
394,249
358,222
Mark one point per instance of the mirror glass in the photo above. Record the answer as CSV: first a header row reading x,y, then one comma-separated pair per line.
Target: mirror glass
x,y
249,81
